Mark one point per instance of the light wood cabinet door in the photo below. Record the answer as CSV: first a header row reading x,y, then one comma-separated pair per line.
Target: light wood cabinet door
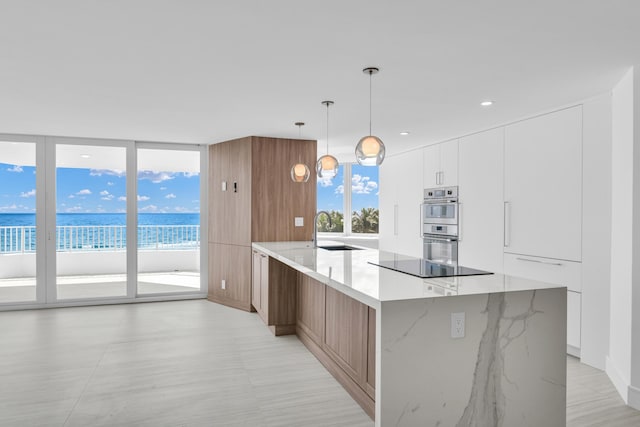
x,y
345,341
370,385
223,262
237,219
256,280
543,186
481,192
218,176
311,308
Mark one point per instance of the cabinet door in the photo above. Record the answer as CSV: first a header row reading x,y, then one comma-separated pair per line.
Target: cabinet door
x,y
264,287
449,163
574,302
431,166
310,308
370,387
237,218
346,322
481,220
218,176
390,175
256,281
232,264
409,195
543,185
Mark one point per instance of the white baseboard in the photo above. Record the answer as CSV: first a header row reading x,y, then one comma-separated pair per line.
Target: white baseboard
x,y
634,397
573,351
618,381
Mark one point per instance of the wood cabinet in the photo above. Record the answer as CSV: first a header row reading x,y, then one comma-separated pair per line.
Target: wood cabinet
x,y
481,192
543,186
274,287
252,199
401,194
340,332
440,165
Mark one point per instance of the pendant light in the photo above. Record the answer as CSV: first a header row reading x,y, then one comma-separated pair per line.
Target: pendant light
x,y
300,172
327,166
370,149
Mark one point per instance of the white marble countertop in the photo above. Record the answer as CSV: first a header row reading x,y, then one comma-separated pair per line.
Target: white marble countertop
x,y
350,273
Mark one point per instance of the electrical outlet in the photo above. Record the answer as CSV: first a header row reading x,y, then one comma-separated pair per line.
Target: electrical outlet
x,y
299,221
224,185
457,325
223,285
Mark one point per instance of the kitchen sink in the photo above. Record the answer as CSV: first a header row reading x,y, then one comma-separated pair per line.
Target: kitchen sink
x,y
340,248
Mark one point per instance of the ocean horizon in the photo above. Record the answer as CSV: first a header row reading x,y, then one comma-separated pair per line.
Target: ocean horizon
x,y
77,219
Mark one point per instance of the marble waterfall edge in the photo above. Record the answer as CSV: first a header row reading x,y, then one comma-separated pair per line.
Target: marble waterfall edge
x,y
508,370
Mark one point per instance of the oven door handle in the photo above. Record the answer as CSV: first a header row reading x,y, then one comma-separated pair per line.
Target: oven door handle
x,y
439,239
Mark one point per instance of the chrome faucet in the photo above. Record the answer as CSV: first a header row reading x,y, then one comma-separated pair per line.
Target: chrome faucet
x,y
314,238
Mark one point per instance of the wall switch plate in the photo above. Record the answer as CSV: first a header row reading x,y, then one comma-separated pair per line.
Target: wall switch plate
x,y
223,284
224,185
299,221
457,325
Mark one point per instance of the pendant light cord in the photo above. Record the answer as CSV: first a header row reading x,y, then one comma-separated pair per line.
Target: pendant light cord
x,y
370,78
328,128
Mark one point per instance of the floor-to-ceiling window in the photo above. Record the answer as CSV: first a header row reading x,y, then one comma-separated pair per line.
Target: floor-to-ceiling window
x,y
168,220
17,221
91,227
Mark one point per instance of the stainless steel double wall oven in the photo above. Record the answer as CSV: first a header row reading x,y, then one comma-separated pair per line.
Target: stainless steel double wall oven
x,y
439,213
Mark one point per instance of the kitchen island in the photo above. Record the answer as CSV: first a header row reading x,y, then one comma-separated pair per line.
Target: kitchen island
x,y
507,368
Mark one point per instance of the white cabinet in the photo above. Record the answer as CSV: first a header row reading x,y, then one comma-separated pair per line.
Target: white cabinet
x,y
558,272
440,163
481,200
543,185
401,194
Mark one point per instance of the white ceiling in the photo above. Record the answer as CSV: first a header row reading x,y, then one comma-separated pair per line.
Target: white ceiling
x,y
207,71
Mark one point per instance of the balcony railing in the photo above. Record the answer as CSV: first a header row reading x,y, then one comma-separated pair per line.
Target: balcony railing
x,y
22,239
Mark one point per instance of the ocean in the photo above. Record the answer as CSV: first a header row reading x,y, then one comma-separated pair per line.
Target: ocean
x,y
71,219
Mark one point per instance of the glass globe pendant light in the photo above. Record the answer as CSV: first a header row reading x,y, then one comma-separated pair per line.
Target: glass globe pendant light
x,y
300,172
327,166
370,149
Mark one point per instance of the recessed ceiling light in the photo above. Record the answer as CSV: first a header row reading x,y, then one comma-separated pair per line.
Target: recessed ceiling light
x,y
404,133
486,103
85,156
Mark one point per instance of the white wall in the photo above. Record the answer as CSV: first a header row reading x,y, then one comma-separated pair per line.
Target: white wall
x,y
624,338
596,230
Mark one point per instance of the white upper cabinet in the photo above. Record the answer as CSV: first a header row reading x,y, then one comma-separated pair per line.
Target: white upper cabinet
x,y
543,186
400,198
440,165
481,200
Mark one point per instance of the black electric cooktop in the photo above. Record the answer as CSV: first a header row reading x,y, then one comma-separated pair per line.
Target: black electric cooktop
x,y
426,269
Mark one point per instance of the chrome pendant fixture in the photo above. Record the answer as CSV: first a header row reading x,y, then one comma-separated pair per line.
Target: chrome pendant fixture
x,y
300,171
370,149
327,166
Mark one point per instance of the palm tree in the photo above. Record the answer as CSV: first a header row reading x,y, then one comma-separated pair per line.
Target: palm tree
x,y
337,222
365,221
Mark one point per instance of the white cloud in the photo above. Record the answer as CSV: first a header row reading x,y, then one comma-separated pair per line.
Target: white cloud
x,y
325,182
170,196
180,209
107,197
73,209
190,174
28,193
143,198
339,189
15,168
84,192
163,188
155,177
112,172
362,184
104,193
122,198
8,208
149,208
71,196
110,184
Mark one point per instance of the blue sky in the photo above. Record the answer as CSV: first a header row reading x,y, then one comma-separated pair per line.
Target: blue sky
x,y
100,191
364,189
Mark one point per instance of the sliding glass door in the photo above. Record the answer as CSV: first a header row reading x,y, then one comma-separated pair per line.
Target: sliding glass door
x,y
90,221
17,221
168,220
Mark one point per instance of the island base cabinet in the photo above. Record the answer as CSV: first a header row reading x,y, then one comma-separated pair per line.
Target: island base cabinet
x,y
338,330
273,291
229,285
